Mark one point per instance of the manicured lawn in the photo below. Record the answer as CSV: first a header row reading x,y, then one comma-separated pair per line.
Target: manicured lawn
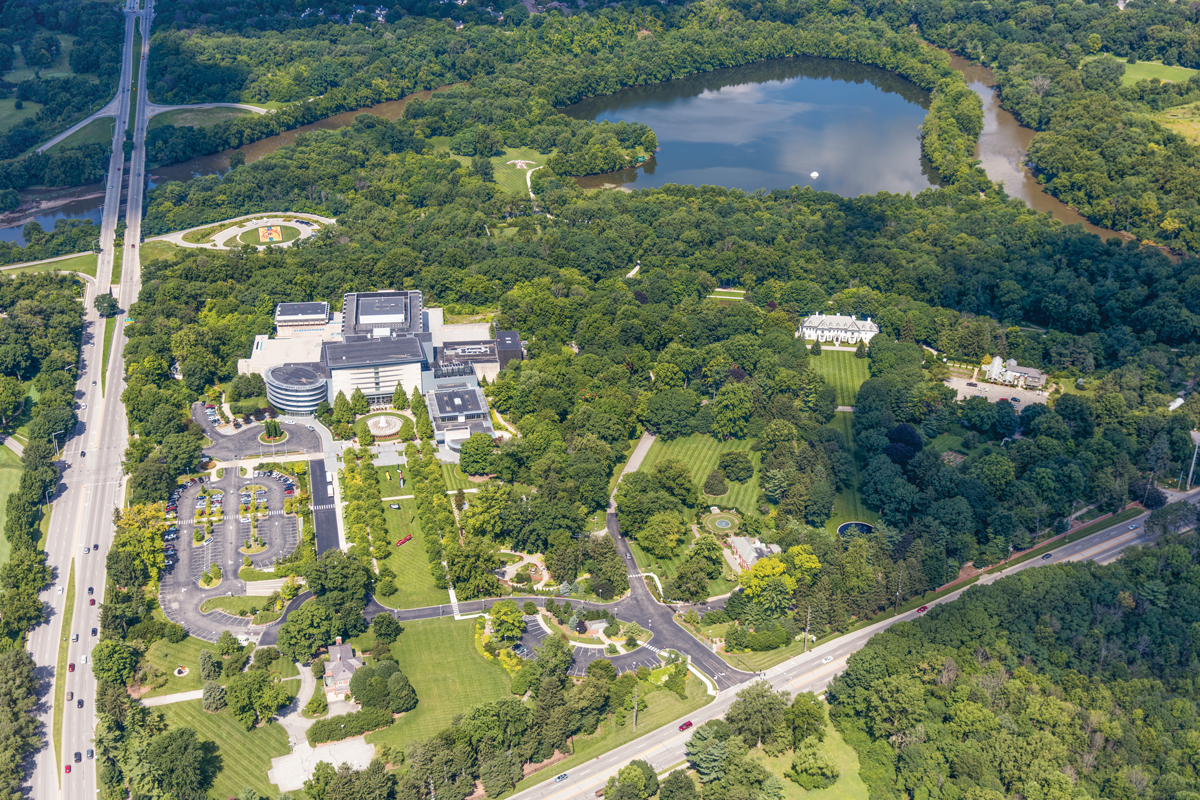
x,y
10,477
1147,70
234,605
849,785
98,131
110,328
667,567
60,686
11,116
153,250
85,263
701,452
245,755
166,657
448,673
253,236
843,372
510,179
848,505
195,117
457,479
414,584
663,707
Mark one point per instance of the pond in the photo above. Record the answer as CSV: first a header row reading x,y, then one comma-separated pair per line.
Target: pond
x,y
773,125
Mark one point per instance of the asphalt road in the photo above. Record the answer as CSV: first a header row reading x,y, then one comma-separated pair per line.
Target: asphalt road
x,y
92,484
812,671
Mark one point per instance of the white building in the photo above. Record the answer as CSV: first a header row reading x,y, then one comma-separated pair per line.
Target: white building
x,y
837,328
1007,372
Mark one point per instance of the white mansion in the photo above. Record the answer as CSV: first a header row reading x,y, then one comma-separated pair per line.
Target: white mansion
x,y
837,328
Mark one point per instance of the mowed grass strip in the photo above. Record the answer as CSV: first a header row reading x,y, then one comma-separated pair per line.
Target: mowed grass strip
x,y
10,478
98,131
848,505
843,372
700,452
414,583
447,672
245,755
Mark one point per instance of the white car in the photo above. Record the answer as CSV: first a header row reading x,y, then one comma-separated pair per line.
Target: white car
x,y
826,659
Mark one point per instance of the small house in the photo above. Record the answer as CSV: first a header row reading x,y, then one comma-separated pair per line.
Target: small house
x,y
748,551
339,669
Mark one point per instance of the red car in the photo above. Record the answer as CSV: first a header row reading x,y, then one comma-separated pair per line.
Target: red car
x,y
405,540
71,667
922,609
67,767
91,601
685,725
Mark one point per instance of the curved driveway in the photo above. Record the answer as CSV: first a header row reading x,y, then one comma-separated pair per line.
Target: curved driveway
x,y
233,230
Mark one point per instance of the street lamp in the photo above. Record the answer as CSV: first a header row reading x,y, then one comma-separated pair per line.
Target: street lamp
x,y
54,438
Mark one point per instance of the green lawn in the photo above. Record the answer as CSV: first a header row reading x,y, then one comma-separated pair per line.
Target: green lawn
x,y
153,250
245,756
253,236
10,477
701,452
11,116
1147,70
85,263
98,131
233,605
166,657
414,584
849,785
448,673
508,177
848,505
389,482
60,686
843,372
662,707
195,117
456,479
110,328
667,567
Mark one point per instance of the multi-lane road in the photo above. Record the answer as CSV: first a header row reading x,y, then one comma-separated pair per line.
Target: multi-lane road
x,y
811,672
91,485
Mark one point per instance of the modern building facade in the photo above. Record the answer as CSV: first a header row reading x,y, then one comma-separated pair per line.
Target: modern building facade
x,y
837,328
377,341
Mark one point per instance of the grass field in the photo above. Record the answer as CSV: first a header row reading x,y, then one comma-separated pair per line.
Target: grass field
x,y
98,131
843,372
701,453
414,584
110,328
85,263
166,657
10,477
245,756
510,179
848,505
667,567
662,707
1184,120
60,686
234,605
153,250
849,786
953,440
11,116
252,236
195,117
448,673
1148,70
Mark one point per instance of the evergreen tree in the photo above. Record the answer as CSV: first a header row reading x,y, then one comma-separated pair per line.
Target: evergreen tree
x,y
401,694
399,398
358,403
861,350
342,412
815,349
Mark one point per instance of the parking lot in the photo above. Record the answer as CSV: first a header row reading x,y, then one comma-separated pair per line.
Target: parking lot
x,y
644,656
994,393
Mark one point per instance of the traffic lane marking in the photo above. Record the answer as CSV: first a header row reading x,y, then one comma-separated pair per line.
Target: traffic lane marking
x,y
1106,545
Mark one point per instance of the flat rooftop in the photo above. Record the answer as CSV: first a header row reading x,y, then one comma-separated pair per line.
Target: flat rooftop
x,y
467,352
301,310
297,374
373,352
508,340
452,402
370,313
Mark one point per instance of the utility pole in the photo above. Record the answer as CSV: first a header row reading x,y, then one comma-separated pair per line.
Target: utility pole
x,y
807,622
899,583
1193,469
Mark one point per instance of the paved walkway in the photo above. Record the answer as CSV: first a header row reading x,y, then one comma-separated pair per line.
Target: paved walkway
x,y
233,230
178,697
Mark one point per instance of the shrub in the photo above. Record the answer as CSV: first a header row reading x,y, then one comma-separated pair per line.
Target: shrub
x,y
236,663
714,484
318,667
530,608
345,726
318,705
214,697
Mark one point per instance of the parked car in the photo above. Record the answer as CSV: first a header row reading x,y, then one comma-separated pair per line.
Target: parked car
x,y
1016,399
972,383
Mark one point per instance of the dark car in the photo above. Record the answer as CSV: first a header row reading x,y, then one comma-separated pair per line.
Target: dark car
x,y
685,725
95,547
1048,555
91,591
79,703
1016,399
93,631
78,756
91,754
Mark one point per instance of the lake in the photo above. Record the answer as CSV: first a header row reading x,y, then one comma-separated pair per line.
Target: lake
x,y
771,124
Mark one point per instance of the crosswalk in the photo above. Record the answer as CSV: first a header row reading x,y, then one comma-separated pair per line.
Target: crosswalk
x,y
324,507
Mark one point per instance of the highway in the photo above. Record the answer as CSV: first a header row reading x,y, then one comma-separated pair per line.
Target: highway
x,y
812,672
91,485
